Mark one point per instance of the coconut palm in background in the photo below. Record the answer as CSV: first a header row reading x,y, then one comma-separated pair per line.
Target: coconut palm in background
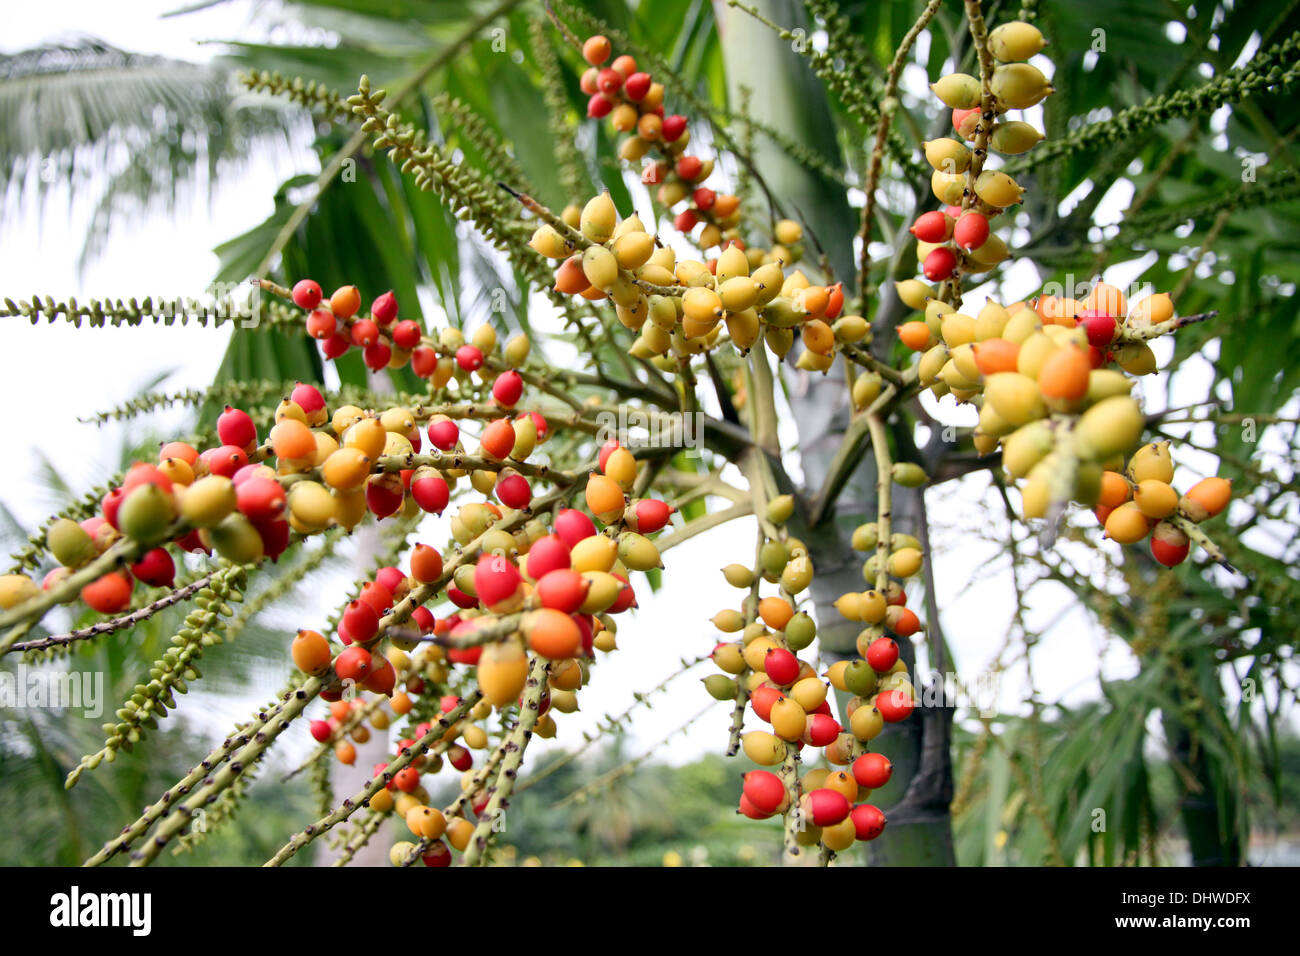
x,y
1176,114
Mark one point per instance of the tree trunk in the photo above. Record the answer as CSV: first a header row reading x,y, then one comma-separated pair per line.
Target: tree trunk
x,y
784,94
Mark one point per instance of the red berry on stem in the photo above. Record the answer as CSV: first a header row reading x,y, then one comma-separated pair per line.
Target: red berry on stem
x,y
377,356
637,86
609,81
895,705
932,227
235,427
572,526
872,770
765,790
673,128
599,106
939,264
321,324
443,434
406,334
306,294
364,333
384,309
320,730
156,568
469,358
361,621
353,663
781,666
508,388
336,346
971,231
513,489
431,493
882,654
546,554
424,361
868,821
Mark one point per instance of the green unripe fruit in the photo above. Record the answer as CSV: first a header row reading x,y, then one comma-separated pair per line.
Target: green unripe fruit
x,y
997,189
637,552
1107,383
859,678
958,91
738,576
720,687
237,540
69,542
729,621
780,509
947,156
1015,41
517,349
773,557
463,577
1012,137
147,514
800,631
798,574
1111,427
909,474
1026,447
866,537
1136,358
1019,85
207,501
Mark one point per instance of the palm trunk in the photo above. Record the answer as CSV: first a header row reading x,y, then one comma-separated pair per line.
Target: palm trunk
x,y
783,93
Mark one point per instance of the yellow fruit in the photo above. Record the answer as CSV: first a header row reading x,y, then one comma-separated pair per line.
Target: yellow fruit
x,y
763,748
1127,524
787,232
16,589
945,155
913,292
1112,426
1152,462
958,91
595,553
311,505
502,671
346,468
1155,498
787,719
206,503
1015,40
600,267
997,189
1015,397
599,217
1020,85
1026,447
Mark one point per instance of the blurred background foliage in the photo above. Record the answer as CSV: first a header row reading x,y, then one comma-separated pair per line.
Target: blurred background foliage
x,y
1192,759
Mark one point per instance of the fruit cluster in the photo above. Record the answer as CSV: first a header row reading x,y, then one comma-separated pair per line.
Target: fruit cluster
x,y
1141,501
958,238
619,260
634,103
761,670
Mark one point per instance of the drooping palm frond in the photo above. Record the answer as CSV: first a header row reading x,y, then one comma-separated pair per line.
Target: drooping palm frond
x,y
127,129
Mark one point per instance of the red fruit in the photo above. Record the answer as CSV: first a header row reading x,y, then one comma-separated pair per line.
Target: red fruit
x,y
364,333
762,699
673,128
939,264
224,461
508,389
459,757
462,600
573,525
821,730
764,790
704,198
439,855
588,635
377,596
361,621
963,121
882,654
498,439
321,324
611,445
1099,327
825,807
306,294
907,624
689,167
336,346
496,579
637,86
235,427
562,590
353,663
260,499
872,770
394,580
308,398
431,493
384,309
834,302
546,555
156,568
377,356
382,678
191,542
748,809
587,82
406,334
626,597
599,106
686,220
609,81
469,357
275,536
407,780
443,434
110,503
781,666
321,731
384,495
651,515
932,227
868,821
971,231
1169,547
513,489
895,705
424,361
423,618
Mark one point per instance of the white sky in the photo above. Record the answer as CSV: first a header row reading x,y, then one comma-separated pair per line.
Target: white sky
x,y
59,373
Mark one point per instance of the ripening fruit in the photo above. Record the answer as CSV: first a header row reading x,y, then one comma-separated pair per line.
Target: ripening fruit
x,y
765,790
1207,498
638,553
1014,397
1020,85
1111,427
1169,544
959,91
1152,462
552,634
763,748
604,498
1014,137
599,217
872,770
16,589
1152,310
1015,41
1155,499
1063,377
503,671
775,612
1127,524
596,50
997,189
